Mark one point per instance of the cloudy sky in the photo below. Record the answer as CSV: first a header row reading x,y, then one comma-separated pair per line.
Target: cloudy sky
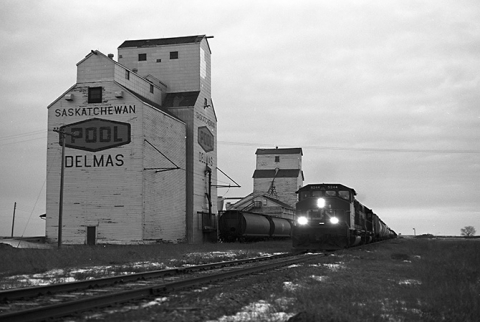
x,y
383,96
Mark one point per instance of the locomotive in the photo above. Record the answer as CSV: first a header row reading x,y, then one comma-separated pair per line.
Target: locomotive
x,y
328,217
238,225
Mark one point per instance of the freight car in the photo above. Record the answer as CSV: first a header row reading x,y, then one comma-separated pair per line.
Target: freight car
x,y
237,225
329,217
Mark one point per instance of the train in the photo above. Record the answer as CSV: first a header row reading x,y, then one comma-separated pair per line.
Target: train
x,y
244,226
329,217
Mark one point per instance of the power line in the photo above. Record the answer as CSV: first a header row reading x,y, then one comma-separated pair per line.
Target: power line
x,y
256,144
15,142
337,148
23,134
23,137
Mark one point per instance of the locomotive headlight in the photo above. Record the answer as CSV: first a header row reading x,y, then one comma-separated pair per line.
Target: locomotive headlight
x,y
320,202
334,220
302,220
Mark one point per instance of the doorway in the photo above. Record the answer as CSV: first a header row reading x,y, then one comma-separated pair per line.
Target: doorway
x,y
91,235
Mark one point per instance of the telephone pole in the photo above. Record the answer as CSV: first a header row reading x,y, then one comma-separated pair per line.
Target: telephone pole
x,y
60,206
13,221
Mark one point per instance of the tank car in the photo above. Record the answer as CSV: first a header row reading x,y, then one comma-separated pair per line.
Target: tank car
x,y
329,217
237,225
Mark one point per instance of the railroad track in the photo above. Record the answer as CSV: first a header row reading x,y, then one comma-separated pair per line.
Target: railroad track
x,y
45,302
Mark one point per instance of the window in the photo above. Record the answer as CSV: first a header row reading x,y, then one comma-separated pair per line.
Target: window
x,y
174,55
142,57
127,74
277,158
151,88
95,95
344,194
159,60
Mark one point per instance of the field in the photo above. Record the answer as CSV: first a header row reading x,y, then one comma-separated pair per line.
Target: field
x,y
406,279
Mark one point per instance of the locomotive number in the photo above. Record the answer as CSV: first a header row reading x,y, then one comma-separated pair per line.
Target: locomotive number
x,y
330,187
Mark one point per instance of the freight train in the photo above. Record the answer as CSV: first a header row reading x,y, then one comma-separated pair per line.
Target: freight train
x,y
328,217
238,225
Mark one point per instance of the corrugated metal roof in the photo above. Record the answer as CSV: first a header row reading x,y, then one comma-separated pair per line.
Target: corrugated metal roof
x,y
280,151
286,173
161,41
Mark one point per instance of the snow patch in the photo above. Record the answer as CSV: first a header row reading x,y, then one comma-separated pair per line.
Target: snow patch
x,y
157,301
409,282
319,278
290,286
294,265
335,267
259,311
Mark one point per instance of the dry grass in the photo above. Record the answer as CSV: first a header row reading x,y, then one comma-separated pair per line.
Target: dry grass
x,y
398,280
31,261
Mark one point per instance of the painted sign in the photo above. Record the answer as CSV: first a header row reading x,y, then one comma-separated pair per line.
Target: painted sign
x,y
206,139
95,110
95,134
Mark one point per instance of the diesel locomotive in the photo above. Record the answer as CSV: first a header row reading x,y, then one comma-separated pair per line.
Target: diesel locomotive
x,y
328,217
238,225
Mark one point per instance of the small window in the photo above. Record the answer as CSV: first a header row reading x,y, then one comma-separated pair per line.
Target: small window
x,y
142,57
159,60
277,158
94,95
127,74
344,194
174,55
151,88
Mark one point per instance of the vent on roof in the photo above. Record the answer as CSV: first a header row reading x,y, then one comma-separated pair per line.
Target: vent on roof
x,y
110,56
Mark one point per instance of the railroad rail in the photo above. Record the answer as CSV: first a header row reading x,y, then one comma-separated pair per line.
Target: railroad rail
x,y
72,298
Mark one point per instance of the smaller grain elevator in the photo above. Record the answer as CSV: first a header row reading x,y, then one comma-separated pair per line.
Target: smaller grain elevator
x,y
276,179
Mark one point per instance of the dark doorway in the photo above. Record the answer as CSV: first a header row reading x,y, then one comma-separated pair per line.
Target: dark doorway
x,y
91,235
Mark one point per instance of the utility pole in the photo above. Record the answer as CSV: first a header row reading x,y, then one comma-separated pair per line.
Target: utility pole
x,y
60,206
13,221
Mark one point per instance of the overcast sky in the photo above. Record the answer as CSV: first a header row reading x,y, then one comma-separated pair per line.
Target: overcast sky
x,y
383,96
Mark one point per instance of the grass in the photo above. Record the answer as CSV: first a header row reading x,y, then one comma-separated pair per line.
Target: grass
x,y
398,280
401,280
406,279
450,275
119,258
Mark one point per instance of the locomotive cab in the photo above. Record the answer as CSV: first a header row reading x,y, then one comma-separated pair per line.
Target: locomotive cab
x,y
323,217
323,207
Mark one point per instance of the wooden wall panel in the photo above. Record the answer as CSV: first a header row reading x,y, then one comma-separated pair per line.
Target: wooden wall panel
x,y
108,196
164,186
